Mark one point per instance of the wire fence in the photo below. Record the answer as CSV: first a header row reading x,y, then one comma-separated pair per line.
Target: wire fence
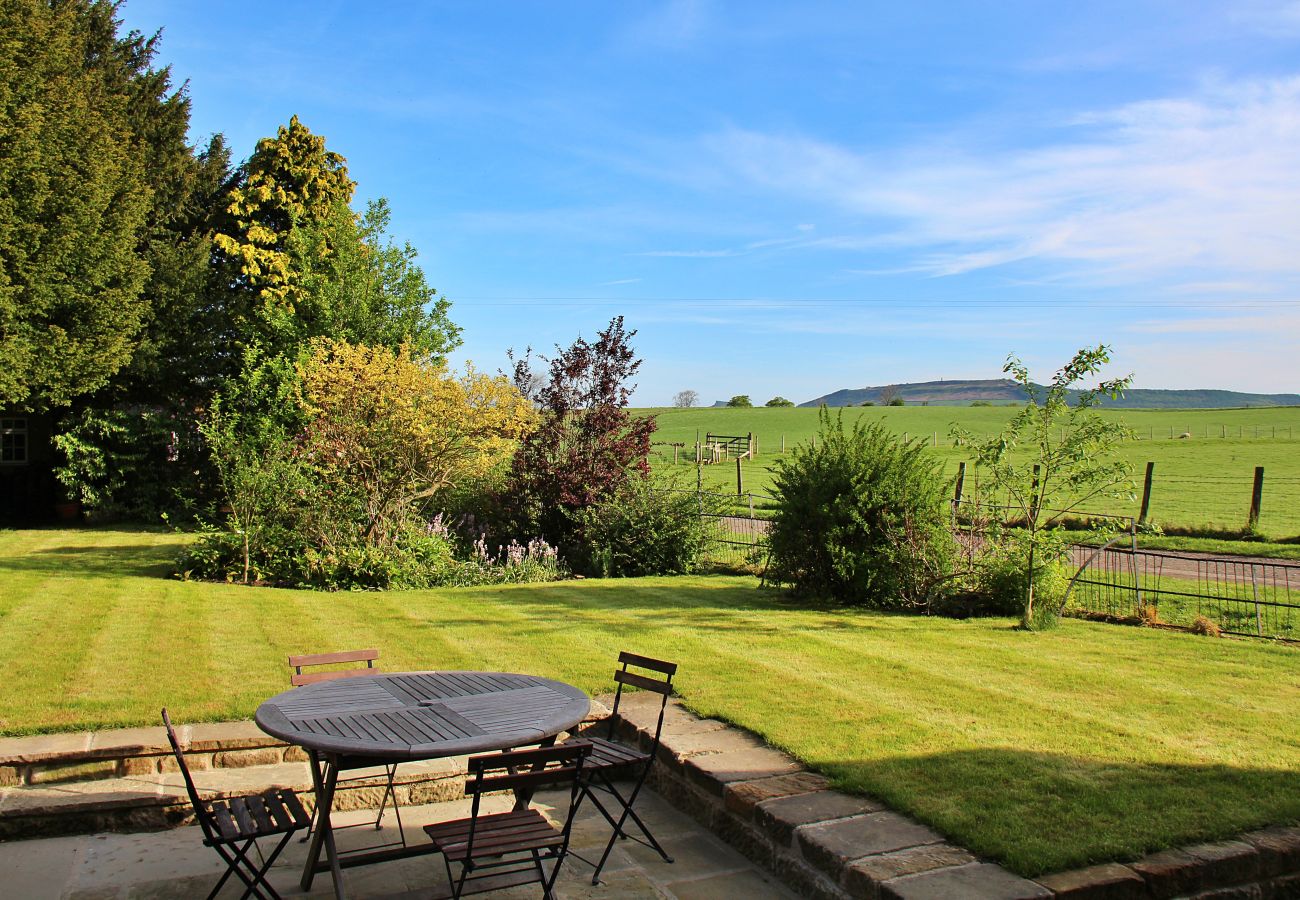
x,y
1258,598
1119,581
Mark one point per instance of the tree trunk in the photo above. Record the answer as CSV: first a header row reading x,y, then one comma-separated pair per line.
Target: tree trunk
x,y
1029,592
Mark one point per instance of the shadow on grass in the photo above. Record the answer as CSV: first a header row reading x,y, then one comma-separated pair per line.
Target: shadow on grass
x,y
1041,812
83,556
699,605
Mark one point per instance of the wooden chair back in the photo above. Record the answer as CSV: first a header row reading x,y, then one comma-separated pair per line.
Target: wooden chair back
x,y
200,808
310,660
526,770
660,685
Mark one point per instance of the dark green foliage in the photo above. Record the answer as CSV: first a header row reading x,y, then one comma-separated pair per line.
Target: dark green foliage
x,y
131,463
779,401
643,531
741,400
862,518
75,201
897,401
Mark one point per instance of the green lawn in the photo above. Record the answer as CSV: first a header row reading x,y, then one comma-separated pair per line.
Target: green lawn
x,y
1202,482
1046,751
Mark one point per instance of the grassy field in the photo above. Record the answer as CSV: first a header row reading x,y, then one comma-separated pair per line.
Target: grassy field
x,y
1200,482
1046,751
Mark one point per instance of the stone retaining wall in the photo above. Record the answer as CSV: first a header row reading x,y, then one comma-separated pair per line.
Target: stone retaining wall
x,y
831,846
88,756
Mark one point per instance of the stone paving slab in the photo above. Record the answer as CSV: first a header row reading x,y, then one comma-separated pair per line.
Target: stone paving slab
x,y
833,845
42,747
713,771
173,864
782,816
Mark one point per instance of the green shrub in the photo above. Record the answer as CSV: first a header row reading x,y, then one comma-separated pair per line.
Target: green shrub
x,y
642,531
863,518
415,560
275,558
1001,576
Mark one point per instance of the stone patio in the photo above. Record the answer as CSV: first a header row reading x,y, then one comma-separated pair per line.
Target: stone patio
x,y
720,793
175,864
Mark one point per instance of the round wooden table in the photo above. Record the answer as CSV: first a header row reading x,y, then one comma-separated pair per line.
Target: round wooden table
x,y
385,718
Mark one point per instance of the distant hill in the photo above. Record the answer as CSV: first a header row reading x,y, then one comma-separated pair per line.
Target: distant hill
x,y
1004,390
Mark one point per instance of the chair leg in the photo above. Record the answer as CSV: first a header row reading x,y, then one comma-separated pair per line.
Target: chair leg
x,y
259,874
619,831
541,875
629,811
237,860
391,794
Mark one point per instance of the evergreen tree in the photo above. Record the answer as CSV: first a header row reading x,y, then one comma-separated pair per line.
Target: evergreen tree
x,y
75,198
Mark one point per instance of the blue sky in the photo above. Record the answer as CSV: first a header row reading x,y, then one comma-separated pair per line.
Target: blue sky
x,y
791,198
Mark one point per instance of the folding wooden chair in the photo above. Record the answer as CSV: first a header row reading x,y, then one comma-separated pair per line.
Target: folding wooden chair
x,y
232,827
508,848
299,678
611,760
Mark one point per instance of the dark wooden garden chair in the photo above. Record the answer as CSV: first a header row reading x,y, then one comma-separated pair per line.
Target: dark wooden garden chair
x,y
232,827
300,677
508,849
611,761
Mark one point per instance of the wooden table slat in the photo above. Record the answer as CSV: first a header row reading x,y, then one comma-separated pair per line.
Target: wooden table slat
x,y
420,715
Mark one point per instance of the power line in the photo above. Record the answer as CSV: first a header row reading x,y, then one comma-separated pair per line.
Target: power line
x,y
760,303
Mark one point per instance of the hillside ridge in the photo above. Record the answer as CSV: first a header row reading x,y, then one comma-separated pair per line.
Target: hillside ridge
x,y
1004,390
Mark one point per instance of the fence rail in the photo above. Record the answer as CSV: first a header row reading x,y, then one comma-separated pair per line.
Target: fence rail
x,y
1258,598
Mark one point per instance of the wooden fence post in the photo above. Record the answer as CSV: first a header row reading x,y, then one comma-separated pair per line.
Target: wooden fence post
x,y
957,487
783,445
1146,494
740,478
1256,496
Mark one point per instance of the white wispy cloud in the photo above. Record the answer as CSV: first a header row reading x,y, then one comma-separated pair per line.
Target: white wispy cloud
x,y
1276,325
1201,188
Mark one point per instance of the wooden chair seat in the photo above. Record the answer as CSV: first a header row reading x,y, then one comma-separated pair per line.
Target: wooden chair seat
x,y
606,755
277,811
499,850
509,832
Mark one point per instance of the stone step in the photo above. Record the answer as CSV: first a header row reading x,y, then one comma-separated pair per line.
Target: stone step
x,y
156,800
49,759
122,752
127,779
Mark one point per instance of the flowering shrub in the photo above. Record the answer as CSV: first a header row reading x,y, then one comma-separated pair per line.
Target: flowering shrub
x,y
423,557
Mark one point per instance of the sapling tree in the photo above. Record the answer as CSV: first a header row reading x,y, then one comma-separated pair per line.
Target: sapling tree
x,y
1054,456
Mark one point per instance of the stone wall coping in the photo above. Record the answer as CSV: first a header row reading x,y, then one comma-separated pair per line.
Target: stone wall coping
x,y
828,844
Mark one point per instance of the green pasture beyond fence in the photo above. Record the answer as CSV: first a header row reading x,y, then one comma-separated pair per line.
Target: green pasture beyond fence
x,y
1203,472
